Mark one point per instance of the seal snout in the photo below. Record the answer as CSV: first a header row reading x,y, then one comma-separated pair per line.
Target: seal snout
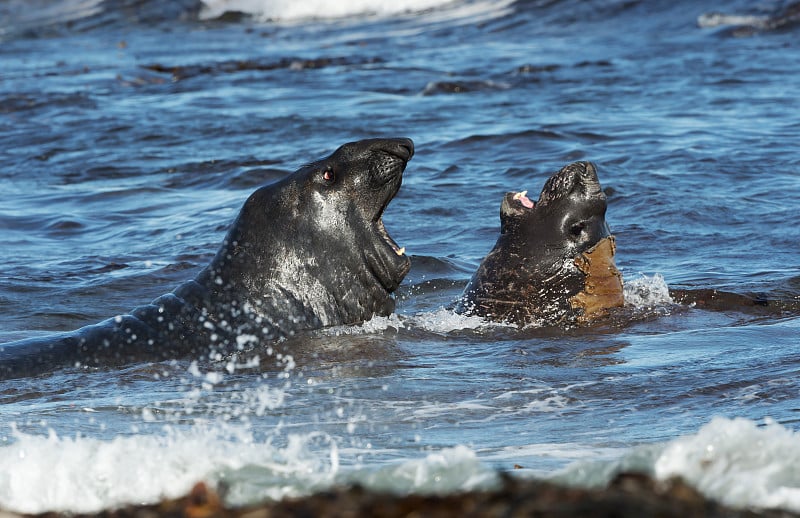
x,y
582,177
402,148
577,178
588,178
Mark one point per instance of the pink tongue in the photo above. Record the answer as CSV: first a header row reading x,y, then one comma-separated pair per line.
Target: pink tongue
x,y
525,200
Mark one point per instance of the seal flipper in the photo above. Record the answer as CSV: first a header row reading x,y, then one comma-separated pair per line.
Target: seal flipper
x,y
36,356
115,341
91,346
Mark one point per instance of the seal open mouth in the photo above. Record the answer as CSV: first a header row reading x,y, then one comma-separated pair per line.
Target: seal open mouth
x,y
396,153
391,263
381,229
522,197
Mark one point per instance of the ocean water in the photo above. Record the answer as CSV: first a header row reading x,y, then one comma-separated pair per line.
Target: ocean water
x,y
131,131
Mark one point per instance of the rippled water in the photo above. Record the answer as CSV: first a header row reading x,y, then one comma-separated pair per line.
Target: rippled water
x,y
131,133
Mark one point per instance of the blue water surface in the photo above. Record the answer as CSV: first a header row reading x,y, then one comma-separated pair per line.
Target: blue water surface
x,y
131,133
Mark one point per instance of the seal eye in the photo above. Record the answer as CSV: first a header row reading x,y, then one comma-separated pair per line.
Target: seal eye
x,y
577,228
328,175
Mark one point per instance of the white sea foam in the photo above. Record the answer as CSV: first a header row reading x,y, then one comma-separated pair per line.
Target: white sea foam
x,y
314,9
734,461
376,324
290,10
447,470
446,321
739,463
83,474
440,321
647,291
709,20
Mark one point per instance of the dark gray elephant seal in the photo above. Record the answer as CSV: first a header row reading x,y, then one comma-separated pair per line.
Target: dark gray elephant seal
x,y
553,262
305,252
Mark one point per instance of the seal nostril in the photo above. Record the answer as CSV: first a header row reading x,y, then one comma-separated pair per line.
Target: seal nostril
x,y
408,144
401,147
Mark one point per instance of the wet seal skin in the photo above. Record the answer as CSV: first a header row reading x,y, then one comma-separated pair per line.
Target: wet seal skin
x,y
553,263
306,252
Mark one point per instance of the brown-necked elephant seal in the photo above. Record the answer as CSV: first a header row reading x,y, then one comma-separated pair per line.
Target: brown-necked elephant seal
x,y
553,262
305,252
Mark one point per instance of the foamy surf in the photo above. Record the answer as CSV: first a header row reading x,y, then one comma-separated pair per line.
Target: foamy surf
x,y
711,20
445,471
443,321
738,462
290,11
285,10
647,291
82,474
439,321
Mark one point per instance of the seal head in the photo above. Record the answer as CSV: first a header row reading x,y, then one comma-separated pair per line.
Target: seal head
x,y
312,250
553,257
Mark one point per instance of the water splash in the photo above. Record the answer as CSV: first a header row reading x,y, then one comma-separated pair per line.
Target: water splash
x,y
738,462
645,292
376,324
443,321
711,20
735,461
440,321
81,474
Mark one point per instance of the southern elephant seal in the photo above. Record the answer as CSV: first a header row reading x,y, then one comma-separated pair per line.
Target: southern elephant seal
x,y
553,262
306,252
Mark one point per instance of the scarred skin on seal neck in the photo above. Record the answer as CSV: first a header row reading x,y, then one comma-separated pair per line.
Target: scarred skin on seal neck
x,y
602,284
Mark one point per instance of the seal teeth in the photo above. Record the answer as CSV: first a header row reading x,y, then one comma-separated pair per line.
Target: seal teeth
x,y
522,197
400,251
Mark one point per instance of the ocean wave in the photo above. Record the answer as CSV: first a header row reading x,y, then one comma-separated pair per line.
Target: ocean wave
x,y
35,13
784,17
82,474
42,17
738,462
287,10
450,469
